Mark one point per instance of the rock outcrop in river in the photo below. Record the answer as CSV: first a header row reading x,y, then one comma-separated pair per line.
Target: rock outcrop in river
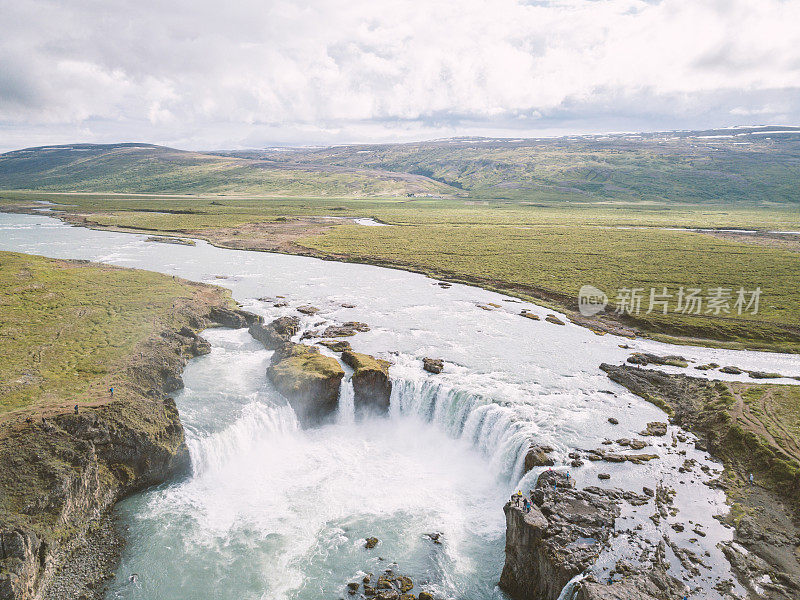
x,y
276,333
559,538
63,472
371,382
308,380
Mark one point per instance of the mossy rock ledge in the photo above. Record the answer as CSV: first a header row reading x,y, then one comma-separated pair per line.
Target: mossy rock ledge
x,y
371,382
308,380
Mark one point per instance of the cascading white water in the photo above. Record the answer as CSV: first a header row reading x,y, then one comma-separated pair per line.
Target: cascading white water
x,y
213,451
569,591
486,425
275,511
347,407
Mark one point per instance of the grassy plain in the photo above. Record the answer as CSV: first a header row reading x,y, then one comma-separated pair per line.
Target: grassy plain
x,y
67,327
537,252
533,218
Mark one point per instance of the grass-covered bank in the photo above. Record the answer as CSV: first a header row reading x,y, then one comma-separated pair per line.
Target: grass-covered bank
x,y
542,252
70,331
68,328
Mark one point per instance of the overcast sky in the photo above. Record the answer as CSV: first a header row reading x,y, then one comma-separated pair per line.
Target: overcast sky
x,y
199,74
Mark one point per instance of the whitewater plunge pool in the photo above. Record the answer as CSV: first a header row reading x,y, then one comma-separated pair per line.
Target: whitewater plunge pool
x,y
274,511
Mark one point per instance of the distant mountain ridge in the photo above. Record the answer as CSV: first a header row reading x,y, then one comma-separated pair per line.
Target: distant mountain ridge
x,y
151,169
754,164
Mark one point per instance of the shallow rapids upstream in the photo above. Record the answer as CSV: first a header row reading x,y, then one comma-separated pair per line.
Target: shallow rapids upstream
x,y
274,511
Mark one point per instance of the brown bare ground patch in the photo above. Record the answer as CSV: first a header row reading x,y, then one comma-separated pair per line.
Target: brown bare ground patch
x,y
778,241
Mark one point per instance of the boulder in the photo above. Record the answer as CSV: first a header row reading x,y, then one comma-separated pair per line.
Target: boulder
x,y
731,370
433,365
371,382
707,366
276,333
371,542
645,358
554,319
308,380
561,536
537,456
764,375
529,315
345,329
655,428
233,318
307,309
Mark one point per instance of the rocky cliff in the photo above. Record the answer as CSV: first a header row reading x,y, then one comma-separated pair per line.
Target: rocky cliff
x,y
371,384
559,538
64,471
308,380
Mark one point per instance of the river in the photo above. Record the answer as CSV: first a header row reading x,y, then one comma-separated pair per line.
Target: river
x,y
273,511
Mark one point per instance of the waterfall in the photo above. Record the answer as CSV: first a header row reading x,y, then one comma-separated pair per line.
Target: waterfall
x,y
491,428
258,420
569,592
347,406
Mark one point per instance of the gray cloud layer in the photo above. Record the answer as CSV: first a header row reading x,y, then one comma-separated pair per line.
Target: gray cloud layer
x,y
203,74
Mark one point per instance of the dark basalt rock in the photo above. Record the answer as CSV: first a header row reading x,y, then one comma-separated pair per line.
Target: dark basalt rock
x,y
529,315
234,318
655,428
371,382
644,358
348,329
560,537
654,583
433,365
308,380
554,320
537,456
275,333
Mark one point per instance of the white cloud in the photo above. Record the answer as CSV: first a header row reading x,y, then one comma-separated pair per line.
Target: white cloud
x,y
252,71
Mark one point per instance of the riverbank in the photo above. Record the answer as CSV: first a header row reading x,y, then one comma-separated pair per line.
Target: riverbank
x,y
70,448
753,429
542,256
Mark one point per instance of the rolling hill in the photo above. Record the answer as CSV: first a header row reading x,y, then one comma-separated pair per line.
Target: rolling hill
x,y
756,165
148,169
752,165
